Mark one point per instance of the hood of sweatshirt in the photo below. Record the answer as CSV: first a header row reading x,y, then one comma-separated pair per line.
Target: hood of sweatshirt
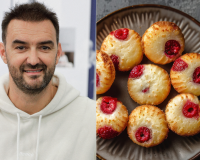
x,y
65,94
66,122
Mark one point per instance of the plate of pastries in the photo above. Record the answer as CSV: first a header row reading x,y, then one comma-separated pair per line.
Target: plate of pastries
x,y
148,84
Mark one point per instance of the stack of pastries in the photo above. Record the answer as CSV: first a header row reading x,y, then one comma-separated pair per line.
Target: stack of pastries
x,y
148,85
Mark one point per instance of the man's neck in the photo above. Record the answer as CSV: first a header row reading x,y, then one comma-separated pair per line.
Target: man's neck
x,y
31,103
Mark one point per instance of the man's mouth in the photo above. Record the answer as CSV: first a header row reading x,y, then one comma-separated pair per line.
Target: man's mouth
x,y
33,71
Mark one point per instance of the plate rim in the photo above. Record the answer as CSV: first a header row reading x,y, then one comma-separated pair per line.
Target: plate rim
x,y
156,6
148,5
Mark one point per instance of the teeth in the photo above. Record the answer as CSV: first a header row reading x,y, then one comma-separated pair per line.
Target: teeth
x,y
33,71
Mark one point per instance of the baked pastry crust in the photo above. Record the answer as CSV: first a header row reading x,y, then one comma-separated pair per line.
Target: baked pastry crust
x,y
117,120
106,72
156,79
151,117
129,50
182,81
155,38
177,122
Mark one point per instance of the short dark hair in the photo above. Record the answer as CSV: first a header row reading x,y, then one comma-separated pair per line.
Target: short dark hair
x,y
33,12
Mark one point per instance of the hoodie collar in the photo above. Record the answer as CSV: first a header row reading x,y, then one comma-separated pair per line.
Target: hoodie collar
x,y
64,95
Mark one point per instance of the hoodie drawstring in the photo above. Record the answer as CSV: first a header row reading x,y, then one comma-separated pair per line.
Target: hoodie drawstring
x,y
38,138
18,136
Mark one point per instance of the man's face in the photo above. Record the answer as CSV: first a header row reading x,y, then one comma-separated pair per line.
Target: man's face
x,y
31,53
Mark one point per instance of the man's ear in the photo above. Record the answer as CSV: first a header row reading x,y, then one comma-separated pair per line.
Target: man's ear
x,y
3,53
58,52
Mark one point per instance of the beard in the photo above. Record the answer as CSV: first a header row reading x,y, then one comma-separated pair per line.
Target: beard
x,y
38,86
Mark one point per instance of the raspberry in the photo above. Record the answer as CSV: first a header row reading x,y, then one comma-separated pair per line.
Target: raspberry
x,y
179,65
196,75
142,134
112,32
107,132
136,72
97,80
145,90
172,48
121,33
190,109
115,60
108,105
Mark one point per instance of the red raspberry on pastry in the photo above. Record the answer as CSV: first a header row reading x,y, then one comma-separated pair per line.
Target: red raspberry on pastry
x,y
105,72
143,134
147,126
111,117
182,113
108,105
179,65
172,48
196,75
185,74
137,71
124,47
191,109
107,132
121,33
148,84
163,42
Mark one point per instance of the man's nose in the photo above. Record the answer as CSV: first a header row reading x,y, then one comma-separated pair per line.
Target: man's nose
x,y
33,58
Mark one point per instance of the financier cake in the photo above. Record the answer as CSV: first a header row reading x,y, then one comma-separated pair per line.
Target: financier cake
x,y
148,84
105,72
147,126
111,117
163,42
124,47
185,74
182,113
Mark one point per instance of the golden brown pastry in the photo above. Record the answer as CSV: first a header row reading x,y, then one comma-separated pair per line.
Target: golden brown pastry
x,y
111,117
105,72
163,42
124,48
182,113
148,84
185,74
147,126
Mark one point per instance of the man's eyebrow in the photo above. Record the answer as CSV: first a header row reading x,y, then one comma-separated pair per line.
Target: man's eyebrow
x,y
46,42
43,42
19,41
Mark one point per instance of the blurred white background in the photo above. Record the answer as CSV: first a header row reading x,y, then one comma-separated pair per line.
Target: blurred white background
x,y
74,14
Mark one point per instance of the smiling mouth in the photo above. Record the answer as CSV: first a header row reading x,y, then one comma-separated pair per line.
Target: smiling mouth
x,y
33,71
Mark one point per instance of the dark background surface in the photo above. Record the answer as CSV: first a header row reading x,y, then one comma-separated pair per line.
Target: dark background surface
x,y
191,7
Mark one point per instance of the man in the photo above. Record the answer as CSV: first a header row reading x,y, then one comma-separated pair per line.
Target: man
x,y
41,116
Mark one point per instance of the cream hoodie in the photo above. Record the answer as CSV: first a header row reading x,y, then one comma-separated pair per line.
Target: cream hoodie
x,y
63,130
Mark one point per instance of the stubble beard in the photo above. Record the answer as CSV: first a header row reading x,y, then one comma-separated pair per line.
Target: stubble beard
x,y
17,76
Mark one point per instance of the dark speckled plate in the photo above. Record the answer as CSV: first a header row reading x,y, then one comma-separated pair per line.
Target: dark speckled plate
x,y
139,18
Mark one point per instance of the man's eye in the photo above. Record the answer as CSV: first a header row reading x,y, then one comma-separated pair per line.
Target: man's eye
x,y
45,48
20,47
